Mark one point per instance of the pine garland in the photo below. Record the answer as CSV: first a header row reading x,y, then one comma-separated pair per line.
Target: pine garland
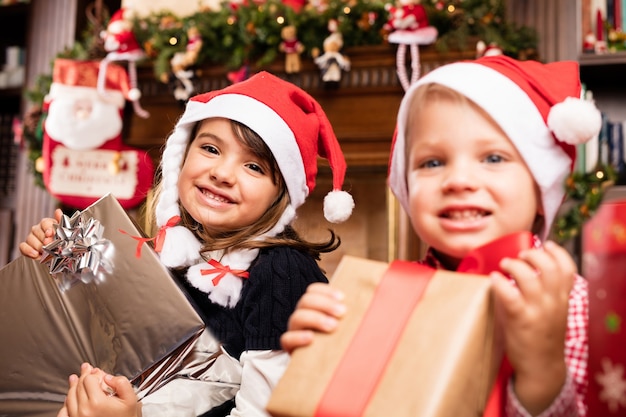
x,y
584,192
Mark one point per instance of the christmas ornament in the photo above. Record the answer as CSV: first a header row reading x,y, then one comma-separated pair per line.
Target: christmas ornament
x,y
332,62
292,48
182,65
121,45
409,26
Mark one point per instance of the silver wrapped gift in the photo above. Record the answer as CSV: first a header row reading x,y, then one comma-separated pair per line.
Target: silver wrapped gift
x,y
108,306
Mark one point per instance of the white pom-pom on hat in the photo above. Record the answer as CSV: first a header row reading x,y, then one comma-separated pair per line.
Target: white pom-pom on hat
x,y
574,121
338,206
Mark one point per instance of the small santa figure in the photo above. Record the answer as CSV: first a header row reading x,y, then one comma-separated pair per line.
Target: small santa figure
x,y
121,45
408,24
490,49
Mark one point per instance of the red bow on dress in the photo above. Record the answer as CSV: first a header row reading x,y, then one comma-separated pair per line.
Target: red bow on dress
x,y
222,270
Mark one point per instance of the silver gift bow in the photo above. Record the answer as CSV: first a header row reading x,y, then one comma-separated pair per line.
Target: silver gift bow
x,y
79,252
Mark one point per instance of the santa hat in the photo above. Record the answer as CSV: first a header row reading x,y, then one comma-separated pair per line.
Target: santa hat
x,y
295,129
537,105
69,74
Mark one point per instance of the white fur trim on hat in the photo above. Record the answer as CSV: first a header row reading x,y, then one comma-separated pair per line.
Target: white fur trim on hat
x,y
514,112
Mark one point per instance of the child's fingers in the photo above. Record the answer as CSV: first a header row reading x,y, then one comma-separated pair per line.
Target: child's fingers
x,y
121,386
506,293
31,251
63,412
311,319
71,400
525,275
58,213
294,339
324,300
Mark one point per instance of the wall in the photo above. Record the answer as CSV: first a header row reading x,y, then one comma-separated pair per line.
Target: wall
x,y
52,28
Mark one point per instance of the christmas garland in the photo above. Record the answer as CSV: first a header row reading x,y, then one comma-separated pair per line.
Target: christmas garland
x,y
584,191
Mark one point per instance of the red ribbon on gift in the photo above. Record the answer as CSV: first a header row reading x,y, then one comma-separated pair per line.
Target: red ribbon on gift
x,y
158,239
355,380
484,260
222,270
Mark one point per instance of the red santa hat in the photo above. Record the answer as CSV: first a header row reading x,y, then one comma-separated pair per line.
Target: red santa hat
x,y
537,105
296,130
69,73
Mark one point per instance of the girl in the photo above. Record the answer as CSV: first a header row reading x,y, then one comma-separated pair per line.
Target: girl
x,y
238,164
482,150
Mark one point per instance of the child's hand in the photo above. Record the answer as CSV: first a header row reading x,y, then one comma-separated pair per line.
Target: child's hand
x,y
533,314
318,309
89,395
40,234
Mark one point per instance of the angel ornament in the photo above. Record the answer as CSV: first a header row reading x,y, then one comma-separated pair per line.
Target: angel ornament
x,y
409,26
332,62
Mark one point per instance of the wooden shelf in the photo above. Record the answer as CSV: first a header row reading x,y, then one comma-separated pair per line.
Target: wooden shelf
x,y
603,71
616,58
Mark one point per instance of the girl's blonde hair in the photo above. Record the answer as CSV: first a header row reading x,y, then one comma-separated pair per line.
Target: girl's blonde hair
x,y
251,236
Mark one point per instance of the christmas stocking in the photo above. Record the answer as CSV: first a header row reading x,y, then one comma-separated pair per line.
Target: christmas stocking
x,y
83,152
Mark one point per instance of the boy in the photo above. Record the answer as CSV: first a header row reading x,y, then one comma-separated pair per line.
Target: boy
x,y
482,150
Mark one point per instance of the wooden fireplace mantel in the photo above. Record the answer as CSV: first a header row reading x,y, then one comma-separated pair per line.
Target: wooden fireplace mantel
x,y
362,109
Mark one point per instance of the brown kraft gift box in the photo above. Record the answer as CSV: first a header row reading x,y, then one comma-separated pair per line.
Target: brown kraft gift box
x,y
444,363
135,322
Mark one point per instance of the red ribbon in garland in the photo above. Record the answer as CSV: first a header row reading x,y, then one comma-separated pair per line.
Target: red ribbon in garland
x,y
222,270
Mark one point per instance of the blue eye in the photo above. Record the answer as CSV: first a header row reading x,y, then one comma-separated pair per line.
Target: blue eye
x,y
431,163
494,158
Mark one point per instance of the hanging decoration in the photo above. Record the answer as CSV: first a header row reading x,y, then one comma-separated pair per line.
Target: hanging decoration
x,y
408,23
332,63
183,64
121,45
292,48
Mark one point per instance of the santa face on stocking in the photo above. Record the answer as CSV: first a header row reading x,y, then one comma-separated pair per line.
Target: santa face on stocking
x,y
83,151
81,120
